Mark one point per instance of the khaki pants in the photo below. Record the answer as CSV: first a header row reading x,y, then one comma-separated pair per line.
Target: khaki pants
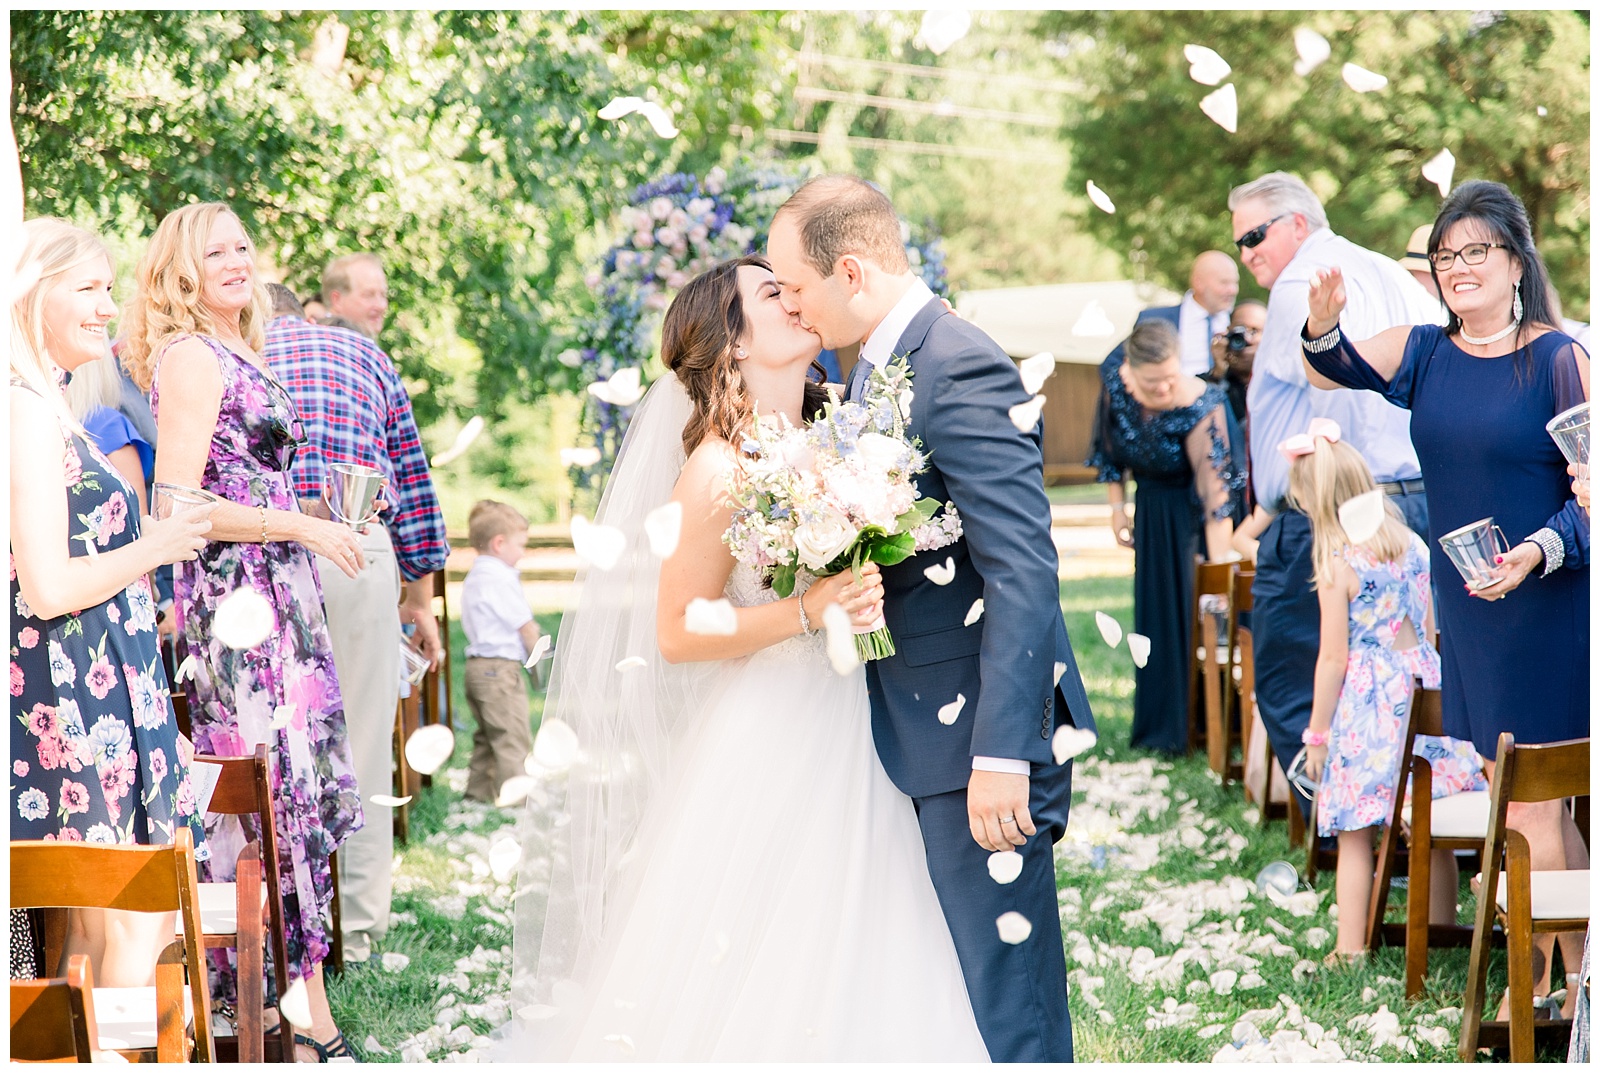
x,y
364,622
500,745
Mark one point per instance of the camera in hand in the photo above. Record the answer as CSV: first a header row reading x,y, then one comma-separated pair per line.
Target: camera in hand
x,y
1238,339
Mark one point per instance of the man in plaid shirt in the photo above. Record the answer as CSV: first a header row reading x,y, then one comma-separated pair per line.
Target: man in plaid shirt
x,y
354,408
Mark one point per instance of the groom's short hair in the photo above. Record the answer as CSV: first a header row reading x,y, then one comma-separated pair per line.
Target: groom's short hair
x,y
841,214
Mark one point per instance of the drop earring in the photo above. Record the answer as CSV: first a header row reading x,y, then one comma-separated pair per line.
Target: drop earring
x,y
1516,302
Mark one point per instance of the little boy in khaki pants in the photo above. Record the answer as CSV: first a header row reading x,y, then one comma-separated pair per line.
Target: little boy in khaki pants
x,y
500,633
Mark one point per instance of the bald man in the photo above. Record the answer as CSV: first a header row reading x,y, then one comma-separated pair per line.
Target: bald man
x,y
1203,312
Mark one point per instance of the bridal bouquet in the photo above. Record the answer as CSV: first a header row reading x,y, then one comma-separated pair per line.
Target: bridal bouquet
x,y
838,493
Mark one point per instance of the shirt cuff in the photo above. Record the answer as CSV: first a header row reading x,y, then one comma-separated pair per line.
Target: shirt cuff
x,y
1001,765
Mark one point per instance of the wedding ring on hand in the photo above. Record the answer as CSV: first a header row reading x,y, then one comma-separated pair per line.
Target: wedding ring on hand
x,y
1008,819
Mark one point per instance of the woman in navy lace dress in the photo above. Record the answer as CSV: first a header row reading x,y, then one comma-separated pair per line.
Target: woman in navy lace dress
x,y
1176,436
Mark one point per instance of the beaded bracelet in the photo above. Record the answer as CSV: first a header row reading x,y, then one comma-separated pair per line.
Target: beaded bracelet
x,y
1321,343
1314,738
263,511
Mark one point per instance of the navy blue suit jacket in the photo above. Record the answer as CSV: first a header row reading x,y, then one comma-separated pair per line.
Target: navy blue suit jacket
x,y
1004,663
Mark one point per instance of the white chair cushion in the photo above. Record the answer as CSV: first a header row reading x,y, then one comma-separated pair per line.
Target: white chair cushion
x,y
1457,816
1556,895
126,1017
219,908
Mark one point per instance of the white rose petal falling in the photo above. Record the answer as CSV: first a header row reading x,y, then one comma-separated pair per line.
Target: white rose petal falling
x,y
295,1005
581,457
662,526
622,388
949,713
243,619
504,856
653,113
281,715
1312,48
556,745
1110,628
1222,108
1014,928
541,648
598,545
1362,80
1205,66
1005,866
388,800
1440,170
1100,199
1070,742
974,613
1139,649
624,1043
1025,415
1036,370
941,29
1093,323
841,639
632,663
711,618
1061,668
185,669
941,573
463,440
429,747
1362,516
515,790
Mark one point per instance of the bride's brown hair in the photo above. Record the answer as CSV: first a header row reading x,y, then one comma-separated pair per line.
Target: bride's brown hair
x,y
699,335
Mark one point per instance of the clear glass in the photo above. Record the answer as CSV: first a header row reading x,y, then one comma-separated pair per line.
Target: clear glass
x,y
1570,430
1474,548
169,499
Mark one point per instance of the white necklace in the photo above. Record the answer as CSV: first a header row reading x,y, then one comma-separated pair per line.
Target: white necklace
x,y
1495,338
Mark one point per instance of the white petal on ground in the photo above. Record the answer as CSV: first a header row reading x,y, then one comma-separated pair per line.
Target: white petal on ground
x,y
1302,969
624,1043
393,962
372,1046
1362,80
974,613
243,619
1436,1036
949,713
1139,648
598,545
1205,66
1036,370
1312,48
1440,170
662,526
556,745
388,800
1061,668
1362,516
1070,742
464,438
581,457
1025,415
1222,108
841,639
429,747
712,618
632,663
1100,199
1005,866
622,389
941,573
1110,628
503,858
1317,937
1223,981
295,1005
281,716
515,790
1541,111
1093,323
541,648
1014,928
537,1012
1303,904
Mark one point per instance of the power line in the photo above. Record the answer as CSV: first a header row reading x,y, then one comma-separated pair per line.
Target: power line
x,y
935,108
917,70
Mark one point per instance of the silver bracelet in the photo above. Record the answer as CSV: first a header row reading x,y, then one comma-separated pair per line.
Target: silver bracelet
x,y
805,620
1321,343
1554,549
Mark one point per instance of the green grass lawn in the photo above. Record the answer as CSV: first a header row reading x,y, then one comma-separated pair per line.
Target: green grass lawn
x,y
1157,896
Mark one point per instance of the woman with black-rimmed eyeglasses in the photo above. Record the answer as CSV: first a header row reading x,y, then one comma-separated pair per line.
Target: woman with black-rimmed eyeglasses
x,y
1480,390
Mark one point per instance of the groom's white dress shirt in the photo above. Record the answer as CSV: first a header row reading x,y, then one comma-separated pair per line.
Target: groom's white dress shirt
x,y
876,350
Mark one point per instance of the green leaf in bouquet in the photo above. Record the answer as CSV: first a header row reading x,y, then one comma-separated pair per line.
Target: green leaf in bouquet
x,y
921,512
892,550
783,580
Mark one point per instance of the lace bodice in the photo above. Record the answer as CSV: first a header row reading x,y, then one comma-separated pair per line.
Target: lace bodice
x,y
747,589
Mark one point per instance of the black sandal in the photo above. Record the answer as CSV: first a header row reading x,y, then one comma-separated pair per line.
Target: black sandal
x,y
337,1047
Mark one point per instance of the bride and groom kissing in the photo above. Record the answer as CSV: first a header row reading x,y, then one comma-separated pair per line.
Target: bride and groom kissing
x,y
754,857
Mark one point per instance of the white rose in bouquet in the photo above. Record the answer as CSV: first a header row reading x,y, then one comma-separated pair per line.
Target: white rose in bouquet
x,y
882,454
816,543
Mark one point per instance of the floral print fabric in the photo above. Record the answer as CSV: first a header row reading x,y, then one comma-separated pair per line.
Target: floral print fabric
x,y
1364,738
283,691
95,751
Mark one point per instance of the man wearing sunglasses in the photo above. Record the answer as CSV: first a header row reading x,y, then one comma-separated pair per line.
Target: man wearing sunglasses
x,y
1283,237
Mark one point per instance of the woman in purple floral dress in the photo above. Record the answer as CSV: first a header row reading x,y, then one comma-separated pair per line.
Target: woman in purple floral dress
x,y
95,751
226,426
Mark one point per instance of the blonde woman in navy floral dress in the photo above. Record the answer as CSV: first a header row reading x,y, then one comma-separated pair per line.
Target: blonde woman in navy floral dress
x,y
195,332
95,751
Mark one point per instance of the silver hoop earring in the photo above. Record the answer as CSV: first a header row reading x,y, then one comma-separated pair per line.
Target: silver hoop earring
x,y
1516,302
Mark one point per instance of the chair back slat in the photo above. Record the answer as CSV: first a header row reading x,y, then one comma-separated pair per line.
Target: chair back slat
x,y
52,1020
1546,772
235,792
72,875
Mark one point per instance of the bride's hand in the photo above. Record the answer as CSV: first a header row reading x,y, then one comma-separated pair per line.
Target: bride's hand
x,y
862,601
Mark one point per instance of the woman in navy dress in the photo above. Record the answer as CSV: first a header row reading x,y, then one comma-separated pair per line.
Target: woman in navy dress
x,y
1177,437
1480,390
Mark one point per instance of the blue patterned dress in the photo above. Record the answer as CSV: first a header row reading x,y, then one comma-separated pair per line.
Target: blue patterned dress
x,y
1364,739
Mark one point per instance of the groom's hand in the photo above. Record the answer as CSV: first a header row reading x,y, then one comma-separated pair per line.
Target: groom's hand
x,y
993,796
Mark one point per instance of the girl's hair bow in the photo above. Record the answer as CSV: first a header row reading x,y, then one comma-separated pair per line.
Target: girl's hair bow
x,y
1306,442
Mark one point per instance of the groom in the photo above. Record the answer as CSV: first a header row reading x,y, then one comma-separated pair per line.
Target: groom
x,y
986,782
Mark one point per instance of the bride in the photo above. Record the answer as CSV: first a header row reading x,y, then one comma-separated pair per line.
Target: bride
x,y
724,872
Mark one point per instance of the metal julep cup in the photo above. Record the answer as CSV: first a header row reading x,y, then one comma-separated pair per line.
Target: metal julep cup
x,y
1474,548
169,499
349,490
1570,430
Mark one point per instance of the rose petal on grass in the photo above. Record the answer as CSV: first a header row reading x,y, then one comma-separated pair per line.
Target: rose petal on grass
x,y
1362,80
243,619
632,663
1099,198
662,526
1362,515
394,962
1037,369
598,545
1139,649
503,858
1013,927
1440,170
974,613
1222,108
941,573
1205,66
1069,742
712,618
1093,321
1223,981
1110,628
1025,415
295,1005
515,790
840,639
388,800
556,745
1317,937
1005,866
949,713
1312,48
429,747
541,648
372,1046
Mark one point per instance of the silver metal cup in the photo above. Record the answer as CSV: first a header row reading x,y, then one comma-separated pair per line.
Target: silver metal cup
x,y
169,499
349,490
1474,548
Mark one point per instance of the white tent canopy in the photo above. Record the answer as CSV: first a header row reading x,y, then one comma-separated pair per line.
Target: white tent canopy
x,y
1077,322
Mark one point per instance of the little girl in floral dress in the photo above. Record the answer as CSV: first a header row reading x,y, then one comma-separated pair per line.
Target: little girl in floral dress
x,y
1376,619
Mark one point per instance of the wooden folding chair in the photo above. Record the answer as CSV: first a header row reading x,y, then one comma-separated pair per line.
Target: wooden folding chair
x,y
407,718
438,682
1206,662
1235,715
230,913
1523,901
143,1023
53,1020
